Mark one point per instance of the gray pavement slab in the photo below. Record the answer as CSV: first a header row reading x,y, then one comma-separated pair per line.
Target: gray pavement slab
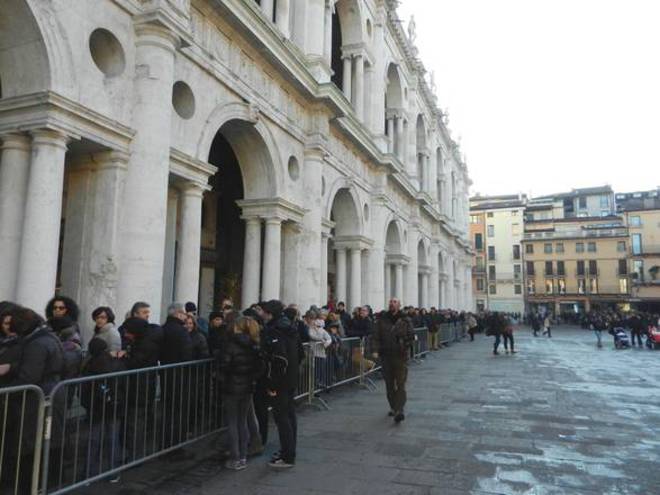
x,y
559,417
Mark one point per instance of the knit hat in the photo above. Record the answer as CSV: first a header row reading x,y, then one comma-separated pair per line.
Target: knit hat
x,y
135,326
216,314
191,307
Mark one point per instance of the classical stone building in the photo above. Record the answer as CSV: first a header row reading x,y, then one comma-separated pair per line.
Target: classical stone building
x,y
176,149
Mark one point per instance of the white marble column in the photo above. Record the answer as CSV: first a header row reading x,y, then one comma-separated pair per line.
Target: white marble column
x,y
347,78
14,173
283,17
267,8
390,134
147,181
425,291
388,283
427,173
434,288
323,300
190,238
356,278
37,268
340,278
310,265
398,281
251,262
399,141
293,272
327,27
272,259
359,87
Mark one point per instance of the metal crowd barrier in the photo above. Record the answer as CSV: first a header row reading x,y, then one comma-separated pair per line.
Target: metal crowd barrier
x,y
94,427
22,418
100,425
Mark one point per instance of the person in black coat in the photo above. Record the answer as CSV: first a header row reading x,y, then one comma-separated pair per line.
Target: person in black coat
x,y
102,400
240,366
177,346
10,350
361,326
282,345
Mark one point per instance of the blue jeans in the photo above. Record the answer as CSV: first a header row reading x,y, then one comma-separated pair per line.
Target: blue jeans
x,y
599,336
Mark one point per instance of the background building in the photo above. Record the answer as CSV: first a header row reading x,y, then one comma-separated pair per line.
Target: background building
x,y
497,222
575,250
190,149
641,211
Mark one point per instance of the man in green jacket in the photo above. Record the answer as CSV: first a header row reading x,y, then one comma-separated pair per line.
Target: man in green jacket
x,y
391,339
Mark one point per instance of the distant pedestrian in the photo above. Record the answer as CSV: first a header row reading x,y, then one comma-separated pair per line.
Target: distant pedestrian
x,y
547,330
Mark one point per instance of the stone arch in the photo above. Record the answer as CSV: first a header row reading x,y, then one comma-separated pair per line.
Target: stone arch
x,y
349,14
393,238
422,258
344,210
394,87
24,60
253,144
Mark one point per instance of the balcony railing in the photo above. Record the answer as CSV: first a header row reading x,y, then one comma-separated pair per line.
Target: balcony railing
x,y
577,234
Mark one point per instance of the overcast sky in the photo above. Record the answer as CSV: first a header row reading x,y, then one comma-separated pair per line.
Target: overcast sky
x,y
547,95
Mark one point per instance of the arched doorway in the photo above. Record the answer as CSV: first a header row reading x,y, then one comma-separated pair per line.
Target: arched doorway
x,y
395,124
245,173
345,250
394,262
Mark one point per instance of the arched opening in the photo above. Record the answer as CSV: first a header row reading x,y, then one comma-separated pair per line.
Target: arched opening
x,y
393,262
336,56
345,214
394,116
245,172
421,153
422,275
23,58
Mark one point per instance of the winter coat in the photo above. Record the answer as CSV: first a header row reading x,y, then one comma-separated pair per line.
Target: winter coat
x,y
42,360
177,345
102,397
143,352
216,339
10,353
110,335
284,352
200,347
68,332
240,365
360,327
393,335
319,335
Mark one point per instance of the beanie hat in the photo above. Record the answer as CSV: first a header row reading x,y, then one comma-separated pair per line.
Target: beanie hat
x,y
191,307
97,346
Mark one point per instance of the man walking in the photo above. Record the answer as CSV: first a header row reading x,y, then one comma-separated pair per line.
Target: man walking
x,y
391,340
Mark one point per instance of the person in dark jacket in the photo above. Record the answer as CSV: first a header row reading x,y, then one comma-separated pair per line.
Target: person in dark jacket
x,y
177,346
41,364
102,400
199,345
284,350
10,350
240,366
344,316
361,326
62,313
202,323
391,340
216,332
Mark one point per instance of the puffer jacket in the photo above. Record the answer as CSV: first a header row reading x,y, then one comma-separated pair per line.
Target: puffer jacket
x,y
177,346
284,351
42,360
240,365
200,347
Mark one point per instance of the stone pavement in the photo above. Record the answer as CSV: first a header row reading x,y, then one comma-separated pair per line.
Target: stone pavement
x,y
559,417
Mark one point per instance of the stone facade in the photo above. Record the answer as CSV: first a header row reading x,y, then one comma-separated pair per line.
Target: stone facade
x,y
297,143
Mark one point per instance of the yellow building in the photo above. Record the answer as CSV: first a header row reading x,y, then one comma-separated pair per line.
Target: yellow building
x,y
575,251
641,211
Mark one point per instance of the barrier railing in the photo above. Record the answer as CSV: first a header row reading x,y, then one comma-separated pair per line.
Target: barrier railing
x,y
94,427
21,439
100,425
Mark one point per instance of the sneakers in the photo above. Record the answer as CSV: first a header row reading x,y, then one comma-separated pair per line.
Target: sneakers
x,y
115,479
399,417
236,465
391,414
276,456
280,464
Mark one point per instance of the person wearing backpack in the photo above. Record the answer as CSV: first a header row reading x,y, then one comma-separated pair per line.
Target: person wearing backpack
x,y
284,351
101,399
391,340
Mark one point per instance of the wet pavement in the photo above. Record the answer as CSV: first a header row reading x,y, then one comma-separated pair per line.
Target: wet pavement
x,y
559,417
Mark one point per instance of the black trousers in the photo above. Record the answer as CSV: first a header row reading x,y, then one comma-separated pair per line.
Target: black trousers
x,y
395,373
498,339
284,412
638,334
261,403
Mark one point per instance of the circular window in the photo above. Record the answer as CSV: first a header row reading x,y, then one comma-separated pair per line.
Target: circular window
x,y
366,212
107,53
322,186
369,28
183,100
294,168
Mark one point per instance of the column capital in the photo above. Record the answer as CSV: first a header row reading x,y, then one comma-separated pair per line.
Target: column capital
x,y
157,34
15,141
50,137
273,220
192,188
